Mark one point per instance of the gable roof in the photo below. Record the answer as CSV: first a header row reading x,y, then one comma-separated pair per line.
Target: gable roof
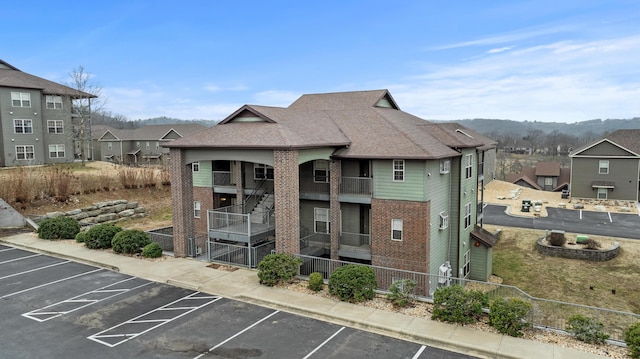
x,y
626,140
547,169
10,76
483,236
153,132
361,124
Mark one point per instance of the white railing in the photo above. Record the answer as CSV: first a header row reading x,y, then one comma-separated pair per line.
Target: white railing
x,y
355,239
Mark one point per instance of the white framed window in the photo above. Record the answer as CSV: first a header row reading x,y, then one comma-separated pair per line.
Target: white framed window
x,y
148,145
196,209
261,171
53,102
602,193
396,229
22,126
466,268
548,181
445,166
21,99
55,126
138,144
321,171
444,220
603,167
109,145
468,166
321,220
25,152
467,215
195,167
157,145
398,170
56,151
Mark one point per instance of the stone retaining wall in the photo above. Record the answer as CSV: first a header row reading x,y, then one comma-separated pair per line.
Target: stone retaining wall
x,y
102,212
596,255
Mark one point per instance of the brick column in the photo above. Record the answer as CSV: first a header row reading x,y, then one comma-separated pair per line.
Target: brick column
x,y
286,184
334,203
181,202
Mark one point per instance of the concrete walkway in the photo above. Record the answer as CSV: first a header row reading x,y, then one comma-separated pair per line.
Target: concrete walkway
x,y
243,285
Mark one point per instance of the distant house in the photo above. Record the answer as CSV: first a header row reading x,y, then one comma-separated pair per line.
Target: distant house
x,y
35,119
142,145
346,176
546,176
608,168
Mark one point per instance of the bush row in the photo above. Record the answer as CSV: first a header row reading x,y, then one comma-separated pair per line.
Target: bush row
x,y
455,304
102,236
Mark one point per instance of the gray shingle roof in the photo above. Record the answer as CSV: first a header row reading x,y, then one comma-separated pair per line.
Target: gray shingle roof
x,y
630,139
10,76
155,132
351,121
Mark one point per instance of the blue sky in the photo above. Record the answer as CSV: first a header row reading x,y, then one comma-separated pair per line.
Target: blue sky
x,y
562,61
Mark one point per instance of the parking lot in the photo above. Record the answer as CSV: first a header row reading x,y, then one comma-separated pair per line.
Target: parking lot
x,y
55,308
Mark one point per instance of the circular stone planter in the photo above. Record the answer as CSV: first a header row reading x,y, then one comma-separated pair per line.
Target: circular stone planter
x,y
597,255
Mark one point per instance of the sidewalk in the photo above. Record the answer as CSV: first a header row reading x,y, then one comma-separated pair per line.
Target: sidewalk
x,y
243,285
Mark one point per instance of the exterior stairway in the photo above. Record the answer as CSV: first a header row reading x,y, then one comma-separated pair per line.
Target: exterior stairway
x,y
262,207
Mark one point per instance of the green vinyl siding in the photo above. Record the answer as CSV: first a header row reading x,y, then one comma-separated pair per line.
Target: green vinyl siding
x,y
204,177
438,193
481,266
411,189
622,172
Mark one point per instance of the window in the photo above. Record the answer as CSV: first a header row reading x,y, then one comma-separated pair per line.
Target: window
x,y
195,167
603,167
20,99
25,152
467,215
321,220
261,171
138,144
321,171
396,229
109,145
548,181
148,145
55,126
56,151
196,209
445,166
22,126
54,102
444,220
467,264
157,145
602,193
398,170
468,169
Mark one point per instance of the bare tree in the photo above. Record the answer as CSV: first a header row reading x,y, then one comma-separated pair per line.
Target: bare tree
x,y
82,107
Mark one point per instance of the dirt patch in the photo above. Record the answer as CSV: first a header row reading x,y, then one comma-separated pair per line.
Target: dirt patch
x,y
222,267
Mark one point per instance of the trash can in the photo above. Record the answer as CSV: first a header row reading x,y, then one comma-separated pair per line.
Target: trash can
x,y
526,205
581,238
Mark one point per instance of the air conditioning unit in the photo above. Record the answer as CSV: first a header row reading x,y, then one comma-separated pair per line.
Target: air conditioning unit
x,y
444,274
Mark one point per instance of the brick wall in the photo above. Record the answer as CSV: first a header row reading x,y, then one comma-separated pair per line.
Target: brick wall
x,y
287,199
412,253
334,187
205,196
181,202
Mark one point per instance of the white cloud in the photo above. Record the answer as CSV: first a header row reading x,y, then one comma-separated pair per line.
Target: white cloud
x,y
499,50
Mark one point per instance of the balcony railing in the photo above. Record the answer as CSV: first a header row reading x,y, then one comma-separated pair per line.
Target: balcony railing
x,y
309,185
222,178
232,219
355,239
356,186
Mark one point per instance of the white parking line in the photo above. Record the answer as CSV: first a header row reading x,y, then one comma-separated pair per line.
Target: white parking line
x,y
20,258
8,249
580,214
419,352
54,282
239,333
33,270
610,219
167,307
47,313
323,343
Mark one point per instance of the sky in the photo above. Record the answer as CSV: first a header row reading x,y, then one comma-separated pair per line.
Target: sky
x,y
546,61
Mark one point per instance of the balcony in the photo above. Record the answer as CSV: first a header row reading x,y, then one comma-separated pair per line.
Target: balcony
x,y
356,189
355,245
233,224
315,244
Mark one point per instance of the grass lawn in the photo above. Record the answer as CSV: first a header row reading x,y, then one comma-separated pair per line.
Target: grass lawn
x,y
517,262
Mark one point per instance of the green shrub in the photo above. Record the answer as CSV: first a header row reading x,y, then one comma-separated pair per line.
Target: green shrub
x,y
278,267
353,283
81,237
402,292
100,236
508,316
454,304
152,250
58,228
632,339
130,241
316,282
586,329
